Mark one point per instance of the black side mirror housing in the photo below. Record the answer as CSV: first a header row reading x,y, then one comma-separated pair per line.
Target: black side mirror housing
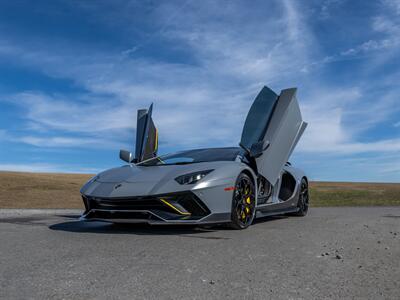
x,y
126,155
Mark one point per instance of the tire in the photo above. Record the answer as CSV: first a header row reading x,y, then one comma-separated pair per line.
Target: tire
x,y
304,199
243,202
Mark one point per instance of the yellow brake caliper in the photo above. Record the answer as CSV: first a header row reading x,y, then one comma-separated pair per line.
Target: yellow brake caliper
x,y
247,209
248,201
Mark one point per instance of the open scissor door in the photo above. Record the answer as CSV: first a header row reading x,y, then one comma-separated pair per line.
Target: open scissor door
x,y
146,135
271,131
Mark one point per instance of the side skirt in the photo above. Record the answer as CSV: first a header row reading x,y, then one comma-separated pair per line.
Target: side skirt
x,y
269,212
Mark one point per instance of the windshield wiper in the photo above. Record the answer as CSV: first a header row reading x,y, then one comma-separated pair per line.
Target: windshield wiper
x,y
183,163
189,162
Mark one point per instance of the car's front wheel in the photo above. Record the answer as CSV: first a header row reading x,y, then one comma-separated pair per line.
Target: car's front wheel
x,y
243,202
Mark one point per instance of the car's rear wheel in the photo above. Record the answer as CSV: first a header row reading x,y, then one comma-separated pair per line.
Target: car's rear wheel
x,y
243,202
304,199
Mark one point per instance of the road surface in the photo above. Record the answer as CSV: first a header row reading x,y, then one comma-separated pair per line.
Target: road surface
x,y
335,253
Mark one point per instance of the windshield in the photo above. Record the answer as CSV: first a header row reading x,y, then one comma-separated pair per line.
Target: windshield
x,y
194,156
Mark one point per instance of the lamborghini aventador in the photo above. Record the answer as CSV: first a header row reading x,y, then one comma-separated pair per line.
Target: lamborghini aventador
x,y
208,186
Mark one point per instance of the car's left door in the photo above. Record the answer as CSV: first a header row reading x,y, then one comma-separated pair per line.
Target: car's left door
x,y
146,135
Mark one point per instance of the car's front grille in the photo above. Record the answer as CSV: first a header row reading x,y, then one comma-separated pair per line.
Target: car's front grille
x,y
192,204
104,214
172,206
126,204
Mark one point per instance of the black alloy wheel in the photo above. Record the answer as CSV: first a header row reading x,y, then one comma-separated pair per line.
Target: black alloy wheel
x,y
243,202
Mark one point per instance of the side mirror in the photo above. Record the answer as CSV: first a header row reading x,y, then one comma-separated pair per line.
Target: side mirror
x,y
258,148
126,156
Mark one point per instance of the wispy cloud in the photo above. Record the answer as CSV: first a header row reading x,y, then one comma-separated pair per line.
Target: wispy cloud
x,y
393,5
386,24
326,7
217,61
222,77
385,146
46,168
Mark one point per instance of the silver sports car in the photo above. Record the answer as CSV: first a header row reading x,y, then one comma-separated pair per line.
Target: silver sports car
x,y
208,186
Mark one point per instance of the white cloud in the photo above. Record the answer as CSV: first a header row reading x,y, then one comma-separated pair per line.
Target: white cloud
x,y
372,45
386,146
61,113
233,62
393,5
45,168
385,27
326,7
371,167
338,117
32,167
203,102
65,142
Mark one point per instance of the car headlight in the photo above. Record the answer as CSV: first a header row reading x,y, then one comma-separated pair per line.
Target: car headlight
x,y
192,177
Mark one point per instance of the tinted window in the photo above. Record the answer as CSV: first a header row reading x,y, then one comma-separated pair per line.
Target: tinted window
x,y
194,156
257,119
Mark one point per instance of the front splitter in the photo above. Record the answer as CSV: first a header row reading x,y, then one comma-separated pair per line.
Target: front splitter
x,y
210,219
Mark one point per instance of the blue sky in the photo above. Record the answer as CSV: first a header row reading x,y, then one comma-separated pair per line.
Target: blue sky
x,y
73,74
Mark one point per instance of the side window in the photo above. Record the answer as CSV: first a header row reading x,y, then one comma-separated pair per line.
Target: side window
x,y
258,117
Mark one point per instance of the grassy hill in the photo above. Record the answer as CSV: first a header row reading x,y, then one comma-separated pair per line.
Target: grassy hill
x,y
51,190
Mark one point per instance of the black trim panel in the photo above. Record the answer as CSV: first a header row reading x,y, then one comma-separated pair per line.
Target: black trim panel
x,y
174,206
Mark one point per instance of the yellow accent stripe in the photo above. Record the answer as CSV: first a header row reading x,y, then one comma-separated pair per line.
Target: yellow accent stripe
x,y
161,161
174,208
156,143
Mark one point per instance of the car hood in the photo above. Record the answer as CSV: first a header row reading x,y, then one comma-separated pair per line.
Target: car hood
x,y
132,180
132,173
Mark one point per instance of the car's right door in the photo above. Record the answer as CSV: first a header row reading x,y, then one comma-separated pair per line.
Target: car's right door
x,y
273,127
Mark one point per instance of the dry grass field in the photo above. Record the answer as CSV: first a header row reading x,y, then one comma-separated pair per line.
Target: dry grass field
x,y
354,194
41,190
47,190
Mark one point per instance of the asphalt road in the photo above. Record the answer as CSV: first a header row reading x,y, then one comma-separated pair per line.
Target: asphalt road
x,y
333,253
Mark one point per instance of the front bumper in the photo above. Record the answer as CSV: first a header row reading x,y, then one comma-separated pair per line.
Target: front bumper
x,y
175,208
